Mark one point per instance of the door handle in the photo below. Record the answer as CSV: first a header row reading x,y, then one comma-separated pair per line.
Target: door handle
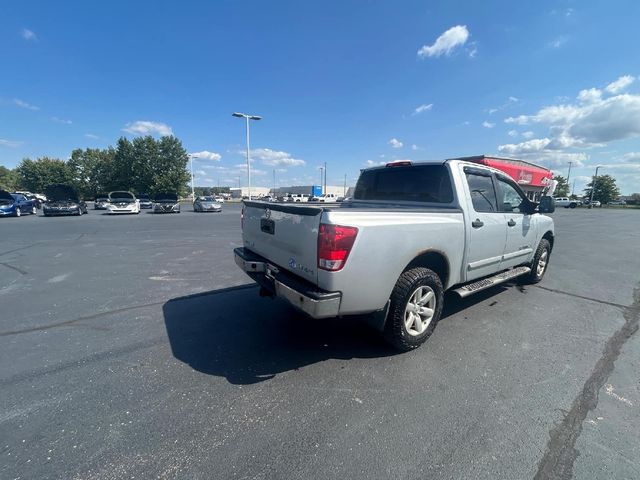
x,y
477,223
511,222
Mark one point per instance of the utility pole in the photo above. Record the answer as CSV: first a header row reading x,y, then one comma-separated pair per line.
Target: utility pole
x,y
593,186
321,180
247,118
569,174
325,178
344,189
573,188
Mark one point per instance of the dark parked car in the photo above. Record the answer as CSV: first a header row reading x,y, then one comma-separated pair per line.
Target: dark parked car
x,y
15,204
206,204
166,202
63,200
145,201
102,200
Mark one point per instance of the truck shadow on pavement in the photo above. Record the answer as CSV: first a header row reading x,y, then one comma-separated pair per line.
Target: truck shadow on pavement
x,y
233,333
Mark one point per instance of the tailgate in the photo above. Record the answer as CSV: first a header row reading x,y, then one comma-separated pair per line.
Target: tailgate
x,y
286,235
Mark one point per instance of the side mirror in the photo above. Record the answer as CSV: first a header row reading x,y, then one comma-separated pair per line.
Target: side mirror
x,y
547,204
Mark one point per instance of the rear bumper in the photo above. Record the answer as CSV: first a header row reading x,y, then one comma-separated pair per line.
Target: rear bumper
x,y
301,294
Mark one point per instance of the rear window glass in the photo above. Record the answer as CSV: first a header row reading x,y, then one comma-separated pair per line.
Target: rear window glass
x,y
423,183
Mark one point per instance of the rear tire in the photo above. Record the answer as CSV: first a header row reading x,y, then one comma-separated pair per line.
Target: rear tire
x,y
539,264
415,309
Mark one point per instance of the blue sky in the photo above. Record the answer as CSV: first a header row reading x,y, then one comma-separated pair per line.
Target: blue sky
x,y
348,83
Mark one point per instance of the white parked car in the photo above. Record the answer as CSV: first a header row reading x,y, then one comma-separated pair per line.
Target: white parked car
x,y
325,198
219,199
566,202
123,202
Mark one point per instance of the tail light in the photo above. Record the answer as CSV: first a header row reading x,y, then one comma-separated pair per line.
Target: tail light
x,y
334,244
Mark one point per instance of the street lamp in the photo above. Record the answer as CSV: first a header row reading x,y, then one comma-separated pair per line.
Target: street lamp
x,y
193,195
593,186
247,118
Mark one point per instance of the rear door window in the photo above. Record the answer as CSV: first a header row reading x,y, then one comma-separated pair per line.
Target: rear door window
x,y
483,192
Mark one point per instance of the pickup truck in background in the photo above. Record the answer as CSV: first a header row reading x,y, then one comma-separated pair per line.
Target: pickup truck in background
x,y
325,198
409,233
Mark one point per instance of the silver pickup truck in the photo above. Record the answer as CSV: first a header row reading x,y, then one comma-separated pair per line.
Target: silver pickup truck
x,y
411,232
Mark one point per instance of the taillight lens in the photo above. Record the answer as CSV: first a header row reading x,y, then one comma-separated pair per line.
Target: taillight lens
x,y
334,244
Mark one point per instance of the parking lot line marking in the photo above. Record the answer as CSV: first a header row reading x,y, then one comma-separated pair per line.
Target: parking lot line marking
x,y
19,270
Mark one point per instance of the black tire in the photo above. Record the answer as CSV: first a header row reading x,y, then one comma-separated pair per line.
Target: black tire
x,y
535,276
396,332
573,205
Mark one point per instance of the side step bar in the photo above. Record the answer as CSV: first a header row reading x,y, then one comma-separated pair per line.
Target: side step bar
x,y
479,285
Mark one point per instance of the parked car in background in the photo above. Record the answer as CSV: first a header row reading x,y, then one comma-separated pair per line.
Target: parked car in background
x,y
15,205
596,203
101,202
325,198
269,198
30,196
123,202
566,202
145,200
219,199
207,204
297,198
617,202
166,202
63,200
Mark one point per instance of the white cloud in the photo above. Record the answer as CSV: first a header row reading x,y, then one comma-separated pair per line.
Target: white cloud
x,y
275,158
206,155
590,95
528,134
512,133
530,146
446,43
631,157
620,84
395,143
558,42
61,120
486,124
422,108
91,136
513,99
10,143
145,127
28,35
414,147
23,104
491,111
372,163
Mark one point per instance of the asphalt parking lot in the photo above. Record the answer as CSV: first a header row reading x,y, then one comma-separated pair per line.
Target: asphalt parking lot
x,y
133,347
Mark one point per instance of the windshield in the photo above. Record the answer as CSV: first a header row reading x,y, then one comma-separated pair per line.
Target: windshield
x,y
207,199
421,183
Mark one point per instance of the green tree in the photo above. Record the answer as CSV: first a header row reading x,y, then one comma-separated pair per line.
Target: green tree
x,y
562,189
9,179
35,175
170,167
122,172
605,190
93,169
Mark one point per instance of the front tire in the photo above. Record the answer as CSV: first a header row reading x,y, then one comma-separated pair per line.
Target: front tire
x,y
18,212
415,309
539,264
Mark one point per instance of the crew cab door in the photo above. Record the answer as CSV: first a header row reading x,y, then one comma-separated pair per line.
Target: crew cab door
x,y
487,225
521,231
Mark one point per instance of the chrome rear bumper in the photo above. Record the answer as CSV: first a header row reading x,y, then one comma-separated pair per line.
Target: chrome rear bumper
x,y
299,293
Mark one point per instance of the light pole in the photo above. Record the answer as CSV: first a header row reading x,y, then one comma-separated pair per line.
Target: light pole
x,y
247,118
321,180
569,174
593,186
193,194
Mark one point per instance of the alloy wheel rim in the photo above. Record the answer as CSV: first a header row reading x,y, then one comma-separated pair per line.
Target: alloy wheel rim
x,y
419,311
542,263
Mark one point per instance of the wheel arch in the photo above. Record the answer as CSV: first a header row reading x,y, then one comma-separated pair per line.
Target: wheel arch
x,y
434,260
